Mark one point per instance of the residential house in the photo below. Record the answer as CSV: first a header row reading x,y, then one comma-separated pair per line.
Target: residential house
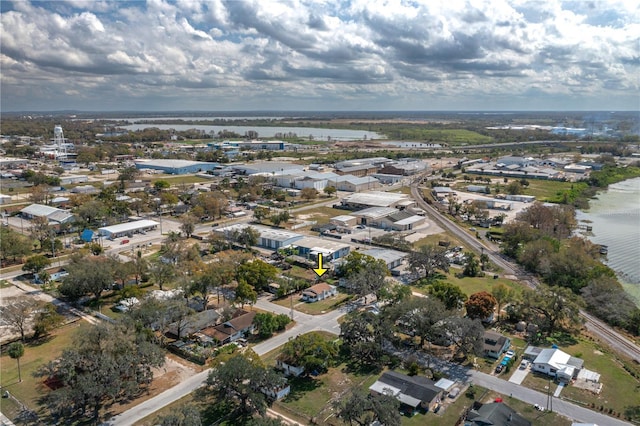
x,y
230,331
495,414
495,344
277,392
195,322
319,292
288,369
556,363
415,393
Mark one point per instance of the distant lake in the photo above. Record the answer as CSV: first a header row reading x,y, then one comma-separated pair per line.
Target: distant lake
x,y
615,217
264,132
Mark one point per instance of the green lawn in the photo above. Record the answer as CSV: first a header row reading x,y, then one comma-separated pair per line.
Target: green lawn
x,y
312,397
321,214
471,285
436,238
545,189
182,180
35,355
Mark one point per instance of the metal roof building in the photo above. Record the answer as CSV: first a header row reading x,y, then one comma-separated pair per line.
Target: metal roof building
x,y
176,167
310,247
272,238
127,228
363,200
53,214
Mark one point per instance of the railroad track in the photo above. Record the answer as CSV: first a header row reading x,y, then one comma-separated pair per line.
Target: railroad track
x,y
615,340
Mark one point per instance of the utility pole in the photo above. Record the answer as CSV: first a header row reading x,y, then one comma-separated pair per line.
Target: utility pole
x,y
291,299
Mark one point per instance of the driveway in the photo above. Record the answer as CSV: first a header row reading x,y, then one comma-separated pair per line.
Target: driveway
x,y
519,374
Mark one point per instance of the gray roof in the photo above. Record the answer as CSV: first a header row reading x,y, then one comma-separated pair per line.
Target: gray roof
x,y
496,414
171,163
376,212
375,198
387,255
275,167
39,210
265,232
321,244
129,226
414,387
51,213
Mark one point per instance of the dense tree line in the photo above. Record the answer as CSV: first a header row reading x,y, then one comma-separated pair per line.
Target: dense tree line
x,y
541,240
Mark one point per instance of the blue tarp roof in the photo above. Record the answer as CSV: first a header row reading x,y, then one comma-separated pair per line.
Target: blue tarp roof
x,y
87,235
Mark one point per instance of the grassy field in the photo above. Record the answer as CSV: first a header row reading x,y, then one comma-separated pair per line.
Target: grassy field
x,y
451,136
321,214
620,390
182,180
35,355
545,189
471,285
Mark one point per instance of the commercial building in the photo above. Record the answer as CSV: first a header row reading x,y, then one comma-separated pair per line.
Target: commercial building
x,y
176,167
352,183
12,163
271,238
364,200
310,247
53,214
391,258
127,228
389,218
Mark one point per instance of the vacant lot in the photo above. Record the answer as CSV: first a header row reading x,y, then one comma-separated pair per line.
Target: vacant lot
x,y
471,285
36,354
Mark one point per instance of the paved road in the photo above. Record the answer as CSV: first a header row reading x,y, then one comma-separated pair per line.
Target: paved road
x,y
617,341
303,324
530,396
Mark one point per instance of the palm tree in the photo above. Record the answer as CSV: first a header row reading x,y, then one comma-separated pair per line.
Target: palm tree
x,y
16,351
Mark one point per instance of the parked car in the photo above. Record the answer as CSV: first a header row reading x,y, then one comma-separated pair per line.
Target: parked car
x,y
124,241
524,364
510,353
499,368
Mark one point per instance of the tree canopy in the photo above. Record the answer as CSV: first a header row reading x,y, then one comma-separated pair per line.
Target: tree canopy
x,y
480,305
311,351
107,364
450,294
241,384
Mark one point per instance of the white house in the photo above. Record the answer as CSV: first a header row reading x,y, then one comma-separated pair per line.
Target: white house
x,y
288,369
319,292
554,362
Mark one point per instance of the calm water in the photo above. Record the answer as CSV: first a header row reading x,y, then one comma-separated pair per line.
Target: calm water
x,y
270,132
615,218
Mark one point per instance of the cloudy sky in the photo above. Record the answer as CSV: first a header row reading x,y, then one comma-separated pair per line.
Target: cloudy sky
x,y
219,55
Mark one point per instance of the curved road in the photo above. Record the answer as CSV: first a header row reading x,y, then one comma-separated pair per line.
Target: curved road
x,y
617,341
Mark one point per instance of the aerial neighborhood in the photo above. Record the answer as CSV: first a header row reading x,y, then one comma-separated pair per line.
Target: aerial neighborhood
x,y
297,281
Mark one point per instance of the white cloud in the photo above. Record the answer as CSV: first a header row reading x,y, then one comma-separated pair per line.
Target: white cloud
x,y
195,52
